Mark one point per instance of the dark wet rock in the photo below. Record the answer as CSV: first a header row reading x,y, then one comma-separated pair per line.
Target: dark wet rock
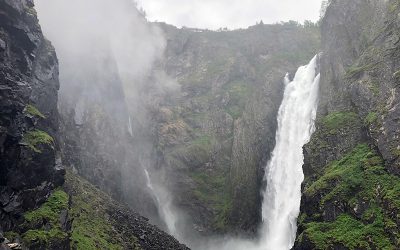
x,y
358,123
27,163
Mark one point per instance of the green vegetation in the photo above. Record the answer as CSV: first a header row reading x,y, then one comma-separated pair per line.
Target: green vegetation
x,y
337,120
193,153
211,190
359,177
43,238
47,216
351,233
239,93
37,137
371,118
11,236
87,209
50,210
393,6
355,71
91,228
202,141
374,88
32,110
396,152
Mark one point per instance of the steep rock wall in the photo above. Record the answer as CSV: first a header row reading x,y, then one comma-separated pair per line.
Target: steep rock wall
x,y
213,141
351,192
42,206
28,113
99,136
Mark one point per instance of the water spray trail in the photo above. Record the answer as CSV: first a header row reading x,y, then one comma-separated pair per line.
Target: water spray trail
x,y
164,204
284,173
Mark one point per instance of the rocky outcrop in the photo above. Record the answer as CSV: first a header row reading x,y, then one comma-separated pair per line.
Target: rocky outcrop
x,y
29,170
213,141
79,216
350,194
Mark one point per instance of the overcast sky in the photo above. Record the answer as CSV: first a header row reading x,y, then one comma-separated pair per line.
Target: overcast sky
x,y
214,14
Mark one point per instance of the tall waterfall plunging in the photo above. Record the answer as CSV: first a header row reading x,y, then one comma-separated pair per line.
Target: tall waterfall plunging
x,y
284,173
164,203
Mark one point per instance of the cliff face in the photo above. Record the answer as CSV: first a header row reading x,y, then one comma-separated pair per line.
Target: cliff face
x,y
28,113
95,136
99,135
41,205
213,141
351,192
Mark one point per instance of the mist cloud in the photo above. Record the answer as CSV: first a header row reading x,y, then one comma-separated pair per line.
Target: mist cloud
x,y
229,13
108,53
81,30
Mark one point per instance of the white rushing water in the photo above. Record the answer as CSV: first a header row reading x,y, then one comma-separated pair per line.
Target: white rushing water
x,y
284,173
164,205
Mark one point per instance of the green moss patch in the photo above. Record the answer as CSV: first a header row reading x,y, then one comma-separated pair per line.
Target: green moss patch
x,y
32,110
194,153
44,238
44,222
239,93
89,211
350,232
371,118
337,120
355,71
50,210
37,137
92,227
211,190
358,178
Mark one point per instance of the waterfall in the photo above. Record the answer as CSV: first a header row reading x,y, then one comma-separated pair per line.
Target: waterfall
x,y
284,173
164,205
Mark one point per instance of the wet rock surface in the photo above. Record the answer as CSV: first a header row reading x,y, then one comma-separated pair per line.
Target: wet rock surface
x,y
351,162
28,113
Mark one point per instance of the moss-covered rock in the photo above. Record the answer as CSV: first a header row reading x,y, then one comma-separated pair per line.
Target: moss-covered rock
x,y
33,111
36,138
339,120
79,216
359,202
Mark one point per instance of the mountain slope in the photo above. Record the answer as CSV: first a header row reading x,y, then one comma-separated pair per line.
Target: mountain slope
x,y
351,192
80,216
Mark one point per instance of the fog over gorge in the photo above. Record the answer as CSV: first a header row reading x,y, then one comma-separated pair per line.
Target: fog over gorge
x,y
204,125
107,52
